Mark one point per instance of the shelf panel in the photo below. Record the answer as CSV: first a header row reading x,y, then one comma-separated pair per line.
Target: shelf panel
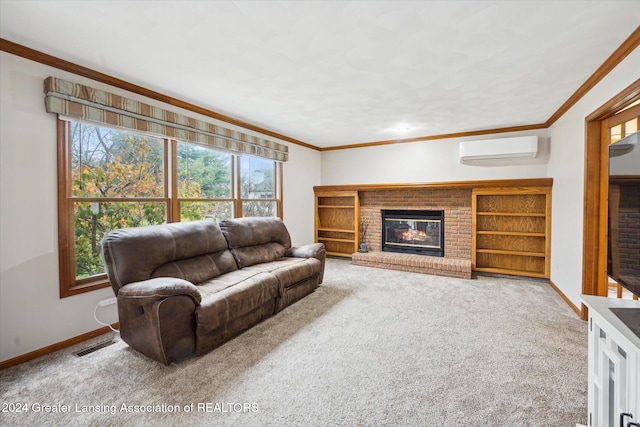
x,y
507,262
512,214
511,224
510,233
511,241
336,207
341,254
514,253
515,202
513,272
333,239
336,230
337,218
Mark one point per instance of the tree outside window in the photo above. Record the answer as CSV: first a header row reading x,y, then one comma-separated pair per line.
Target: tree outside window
x,y
111,178
258,187
106,166
204,183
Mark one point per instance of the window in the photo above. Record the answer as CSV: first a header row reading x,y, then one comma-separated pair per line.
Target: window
x,y
258,187
105,165
111,178
204,183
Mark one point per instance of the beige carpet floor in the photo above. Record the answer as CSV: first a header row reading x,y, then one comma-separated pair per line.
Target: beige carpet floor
x,y
370,347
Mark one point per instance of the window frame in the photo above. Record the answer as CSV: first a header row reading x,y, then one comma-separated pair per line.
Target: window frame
x,y
69,284
176,200
277,190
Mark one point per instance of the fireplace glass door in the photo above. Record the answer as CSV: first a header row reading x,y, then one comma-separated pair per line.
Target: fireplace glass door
x,y
415,232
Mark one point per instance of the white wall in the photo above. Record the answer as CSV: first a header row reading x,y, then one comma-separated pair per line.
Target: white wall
x,y
301,173
32,315
426,161
566,166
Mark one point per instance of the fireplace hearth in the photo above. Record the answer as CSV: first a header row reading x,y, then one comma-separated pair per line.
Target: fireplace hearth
x,y
418,232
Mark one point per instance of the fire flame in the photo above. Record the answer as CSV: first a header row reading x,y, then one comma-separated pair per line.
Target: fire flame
x,y
414,235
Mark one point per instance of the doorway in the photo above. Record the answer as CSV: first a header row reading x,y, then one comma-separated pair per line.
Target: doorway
x,y
597,139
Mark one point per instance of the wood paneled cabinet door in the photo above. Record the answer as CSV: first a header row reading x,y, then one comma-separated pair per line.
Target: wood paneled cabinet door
x,y
511,230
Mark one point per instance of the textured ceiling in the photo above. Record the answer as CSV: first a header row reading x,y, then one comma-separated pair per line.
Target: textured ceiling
x,y
340,72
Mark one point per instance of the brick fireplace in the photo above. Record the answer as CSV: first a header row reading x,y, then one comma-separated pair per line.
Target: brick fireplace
x,y
456,205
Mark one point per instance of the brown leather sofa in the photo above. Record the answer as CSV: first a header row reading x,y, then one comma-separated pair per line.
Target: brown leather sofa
x,y
185,288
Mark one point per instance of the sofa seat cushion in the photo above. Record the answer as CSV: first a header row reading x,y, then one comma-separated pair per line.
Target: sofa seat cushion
x,y
290,270
231,296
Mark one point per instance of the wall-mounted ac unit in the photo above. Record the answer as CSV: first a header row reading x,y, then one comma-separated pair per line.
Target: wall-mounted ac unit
x,y
521,147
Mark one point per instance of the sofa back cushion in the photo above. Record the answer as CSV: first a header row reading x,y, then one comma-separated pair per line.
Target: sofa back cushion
x,y
198,269
185,250
255,240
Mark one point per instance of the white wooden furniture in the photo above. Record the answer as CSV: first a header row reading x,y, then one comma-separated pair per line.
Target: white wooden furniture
x,y
614,365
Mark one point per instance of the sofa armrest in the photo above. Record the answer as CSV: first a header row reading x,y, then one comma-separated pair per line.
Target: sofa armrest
x,y
160,288
313,250
157,317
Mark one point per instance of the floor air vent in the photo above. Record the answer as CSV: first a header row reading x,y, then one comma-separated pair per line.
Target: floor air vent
x,y
94,347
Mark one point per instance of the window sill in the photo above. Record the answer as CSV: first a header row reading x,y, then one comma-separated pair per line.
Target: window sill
x,y
85,285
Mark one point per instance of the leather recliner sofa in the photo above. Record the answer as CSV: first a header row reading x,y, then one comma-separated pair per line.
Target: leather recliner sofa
x,y
186,288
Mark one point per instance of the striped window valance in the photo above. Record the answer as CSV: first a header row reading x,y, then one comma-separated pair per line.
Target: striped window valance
x,y
86,103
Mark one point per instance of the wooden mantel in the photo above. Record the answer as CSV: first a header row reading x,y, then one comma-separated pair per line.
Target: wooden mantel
x,y
527,182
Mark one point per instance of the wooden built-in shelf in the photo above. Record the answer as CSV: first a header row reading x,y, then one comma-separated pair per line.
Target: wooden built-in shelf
x,y
511,221
511,229
337,221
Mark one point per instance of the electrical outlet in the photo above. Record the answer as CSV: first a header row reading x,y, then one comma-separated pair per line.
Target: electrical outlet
x,y
108,301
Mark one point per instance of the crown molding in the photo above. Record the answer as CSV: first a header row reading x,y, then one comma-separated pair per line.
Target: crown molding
x,y
61,64
628,46
441,136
